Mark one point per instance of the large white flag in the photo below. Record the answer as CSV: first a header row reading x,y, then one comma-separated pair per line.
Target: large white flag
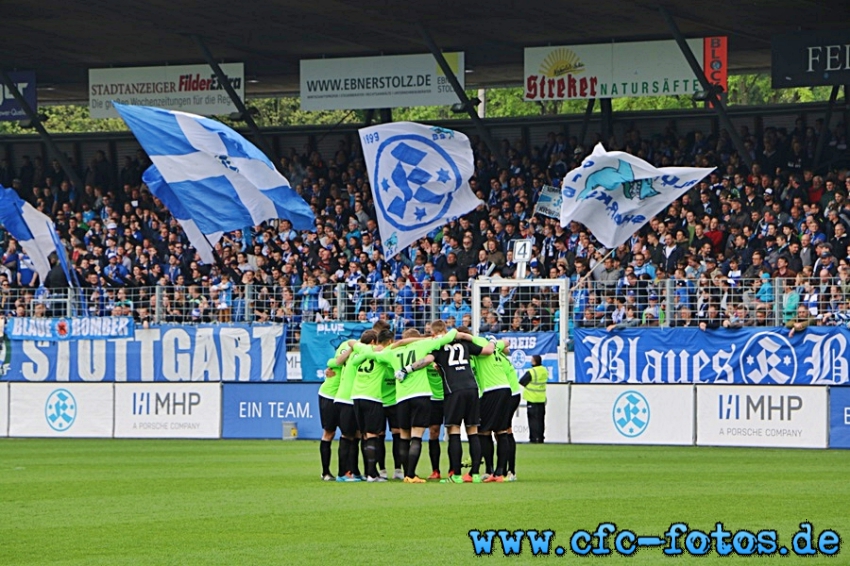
x,y
420,179
614,193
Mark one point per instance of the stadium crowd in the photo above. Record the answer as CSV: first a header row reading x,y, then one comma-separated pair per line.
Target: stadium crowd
x,y
746,246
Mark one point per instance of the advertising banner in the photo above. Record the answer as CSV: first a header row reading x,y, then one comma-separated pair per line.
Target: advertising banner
x,y
839,417
629,414
523,346
557,416
611,70
293,366
190,88
10,110
319,341
162,353
83,328
549,202
781,417
4,409
810,58
378,82
69,410
748,356
168,410
259,410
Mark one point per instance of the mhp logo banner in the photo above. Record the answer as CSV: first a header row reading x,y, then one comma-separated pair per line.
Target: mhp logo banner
x,y
523,346
168,353
319,341
839,417
751,356
259,410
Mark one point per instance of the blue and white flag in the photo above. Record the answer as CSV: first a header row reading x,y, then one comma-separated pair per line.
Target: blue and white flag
x,y
420,179
203,243
221,179
615,193
31,228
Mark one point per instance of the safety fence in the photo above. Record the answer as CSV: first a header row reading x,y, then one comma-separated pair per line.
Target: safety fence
x,y
701,415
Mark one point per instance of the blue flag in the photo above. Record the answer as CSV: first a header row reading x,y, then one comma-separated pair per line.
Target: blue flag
x,y
203,243
31,228
223,181
420,179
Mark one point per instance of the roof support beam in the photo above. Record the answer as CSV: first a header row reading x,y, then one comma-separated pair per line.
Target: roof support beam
x,y
240,106
461,94
712,97
52,148
825,129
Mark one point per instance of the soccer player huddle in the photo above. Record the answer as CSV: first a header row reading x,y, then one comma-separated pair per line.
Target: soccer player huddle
x,y
449,377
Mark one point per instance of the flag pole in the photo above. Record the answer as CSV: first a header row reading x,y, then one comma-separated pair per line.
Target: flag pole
x,y
606,256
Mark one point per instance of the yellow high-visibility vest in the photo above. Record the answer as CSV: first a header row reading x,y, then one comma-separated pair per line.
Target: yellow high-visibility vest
x,y
535,391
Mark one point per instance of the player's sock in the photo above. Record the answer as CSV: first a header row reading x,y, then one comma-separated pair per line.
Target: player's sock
x,y
397,460
382,452
342,455
354,455
475,453
414,452
370,452
487,451
511,453
325,452
502,454
404,453
455,453
434,453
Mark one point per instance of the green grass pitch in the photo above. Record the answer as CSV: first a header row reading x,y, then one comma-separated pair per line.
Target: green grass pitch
x,y
120,502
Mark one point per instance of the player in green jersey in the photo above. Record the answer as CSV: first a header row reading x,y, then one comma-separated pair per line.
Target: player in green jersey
x,y
495,407
329,414
436,420
516,395
367,394
413,393
348,450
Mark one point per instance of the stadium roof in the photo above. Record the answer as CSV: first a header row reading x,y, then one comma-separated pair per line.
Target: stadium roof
x,y
61,40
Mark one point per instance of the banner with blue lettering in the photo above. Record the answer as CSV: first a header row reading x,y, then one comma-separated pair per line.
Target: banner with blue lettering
x,y
82,328
259,410
169,353
839,417
319,341
523,346
753,356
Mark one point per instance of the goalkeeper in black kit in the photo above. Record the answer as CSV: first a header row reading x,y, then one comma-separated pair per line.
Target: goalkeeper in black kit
x,y
461,405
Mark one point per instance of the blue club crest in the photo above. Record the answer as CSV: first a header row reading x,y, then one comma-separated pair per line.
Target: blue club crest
x,y
416,181
623,177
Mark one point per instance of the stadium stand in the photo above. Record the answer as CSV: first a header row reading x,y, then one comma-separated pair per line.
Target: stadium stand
x,y
745,247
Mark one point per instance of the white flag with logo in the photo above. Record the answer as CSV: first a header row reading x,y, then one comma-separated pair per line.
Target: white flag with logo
x,y
420,179
614,193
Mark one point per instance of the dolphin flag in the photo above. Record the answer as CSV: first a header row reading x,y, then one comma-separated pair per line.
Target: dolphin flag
x,y
31,228
220,179
616,193
420,179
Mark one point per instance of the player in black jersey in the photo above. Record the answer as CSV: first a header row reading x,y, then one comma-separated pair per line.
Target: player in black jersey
x,y
461,405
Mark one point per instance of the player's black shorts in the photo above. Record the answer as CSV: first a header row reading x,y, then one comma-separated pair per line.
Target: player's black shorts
x,y
495,407
436,413
370,416
347,419
391,414
513,406
329,413
414,413
463,405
